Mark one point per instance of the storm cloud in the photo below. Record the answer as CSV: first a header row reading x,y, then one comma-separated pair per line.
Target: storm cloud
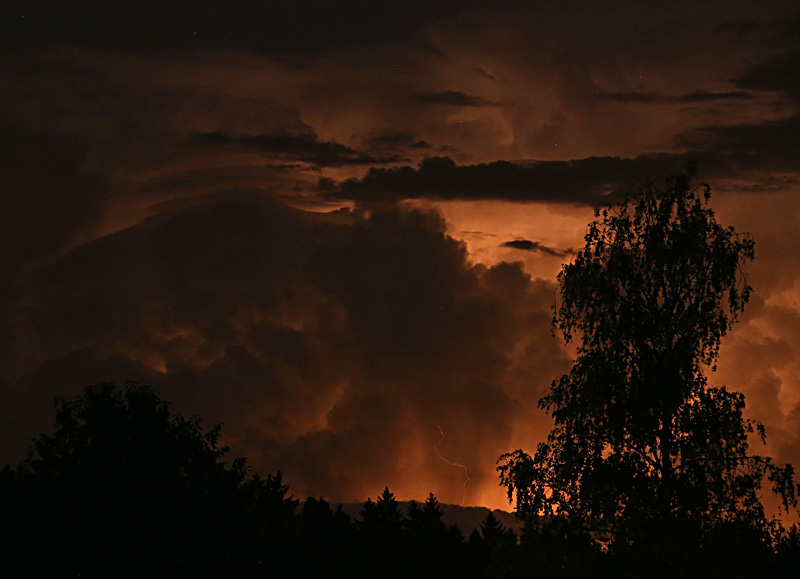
x,y
326,347
582,181
306,148
338,229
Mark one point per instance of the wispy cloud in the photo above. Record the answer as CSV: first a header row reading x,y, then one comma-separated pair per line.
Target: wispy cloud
x,y
305,148
660,98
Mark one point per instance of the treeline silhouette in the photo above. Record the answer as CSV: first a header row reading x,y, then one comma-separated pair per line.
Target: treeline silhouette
x,y
126,488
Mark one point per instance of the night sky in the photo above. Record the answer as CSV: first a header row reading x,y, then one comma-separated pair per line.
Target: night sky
x,y
335,227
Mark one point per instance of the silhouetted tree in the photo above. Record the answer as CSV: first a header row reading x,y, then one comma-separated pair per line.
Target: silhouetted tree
x,y
381,530
788,552
640,439
493,548
425,518
270,529
558,548
414,518
327,541
437,547
494,532
383,516
122,488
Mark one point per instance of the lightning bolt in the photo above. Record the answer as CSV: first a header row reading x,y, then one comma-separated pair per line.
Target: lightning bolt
x,y
466,474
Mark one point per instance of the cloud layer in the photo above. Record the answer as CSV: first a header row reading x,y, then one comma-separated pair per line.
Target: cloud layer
x,y
338,230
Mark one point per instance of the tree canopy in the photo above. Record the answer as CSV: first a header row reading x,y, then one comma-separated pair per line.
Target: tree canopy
x,y
123,487
640,436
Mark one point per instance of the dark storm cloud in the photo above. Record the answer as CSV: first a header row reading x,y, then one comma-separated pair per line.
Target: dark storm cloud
x,y
274,27
535,246
746,152
318,341
332,346
391,141
45,195
306,148
770,145
781,75
451,97
659,98
740,28
582,181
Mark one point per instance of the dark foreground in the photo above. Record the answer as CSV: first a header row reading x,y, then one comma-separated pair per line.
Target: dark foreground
x,y
125,488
